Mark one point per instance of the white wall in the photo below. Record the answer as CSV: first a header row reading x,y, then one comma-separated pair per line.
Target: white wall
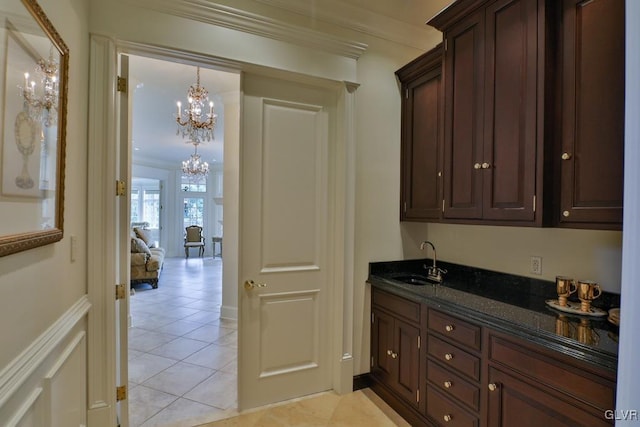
x,y
43,306
628,391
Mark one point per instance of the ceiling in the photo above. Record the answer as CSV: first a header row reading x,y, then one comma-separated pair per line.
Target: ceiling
x,y
157,85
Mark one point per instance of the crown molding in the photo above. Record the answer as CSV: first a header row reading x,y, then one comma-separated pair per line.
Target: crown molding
x,y
361,20
247,22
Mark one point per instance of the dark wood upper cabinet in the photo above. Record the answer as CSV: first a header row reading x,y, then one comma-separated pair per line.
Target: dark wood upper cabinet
x,y
592,100
464,92
494,111
518,119
421,164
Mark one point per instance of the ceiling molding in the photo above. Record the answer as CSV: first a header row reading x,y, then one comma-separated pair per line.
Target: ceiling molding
x,y
239,20
361,20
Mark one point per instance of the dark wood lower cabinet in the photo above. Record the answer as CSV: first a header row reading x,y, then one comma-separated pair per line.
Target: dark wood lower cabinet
x,y
435,369
514,402
395,348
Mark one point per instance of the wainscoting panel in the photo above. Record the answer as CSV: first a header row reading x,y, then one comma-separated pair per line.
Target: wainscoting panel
x,y
46,384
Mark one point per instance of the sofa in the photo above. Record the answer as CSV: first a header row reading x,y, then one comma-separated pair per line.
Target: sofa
x,y
146,258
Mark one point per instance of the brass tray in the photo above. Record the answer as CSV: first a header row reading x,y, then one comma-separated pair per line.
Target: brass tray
x,y
574,308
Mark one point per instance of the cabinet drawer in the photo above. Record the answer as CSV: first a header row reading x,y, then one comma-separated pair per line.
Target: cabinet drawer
x,y
446,413
454,357
452,385
399,306
555,372
458,330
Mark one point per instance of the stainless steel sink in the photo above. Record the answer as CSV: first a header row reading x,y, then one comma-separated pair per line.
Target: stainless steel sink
x,y
413,279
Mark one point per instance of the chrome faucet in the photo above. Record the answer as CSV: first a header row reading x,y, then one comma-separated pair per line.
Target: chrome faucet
x,y
433,273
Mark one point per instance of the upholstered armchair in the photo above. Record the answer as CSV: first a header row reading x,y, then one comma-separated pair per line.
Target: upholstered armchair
x,y
193,238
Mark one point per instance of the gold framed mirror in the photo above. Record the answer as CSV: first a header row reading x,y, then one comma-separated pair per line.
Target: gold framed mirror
x,y
33,90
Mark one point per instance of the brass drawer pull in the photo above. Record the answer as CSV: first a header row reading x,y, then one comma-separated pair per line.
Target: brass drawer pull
x,y
493,387
449,328
448,384
448,356
447,418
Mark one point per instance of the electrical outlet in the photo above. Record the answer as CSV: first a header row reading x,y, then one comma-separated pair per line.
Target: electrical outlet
x,y
536,265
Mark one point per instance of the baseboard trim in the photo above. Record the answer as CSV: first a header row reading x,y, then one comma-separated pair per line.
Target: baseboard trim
x,y
361,381
228,312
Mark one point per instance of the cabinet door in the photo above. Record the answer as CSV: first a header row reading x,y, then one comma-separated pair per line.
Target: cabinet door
x,y
382,345
509,150
422,148
513,402
592,112
464,77
407,359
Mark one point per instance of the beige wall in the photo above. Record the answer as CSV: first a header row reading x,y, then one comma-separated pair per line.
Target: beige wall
x,y
43,291
38,285
582,254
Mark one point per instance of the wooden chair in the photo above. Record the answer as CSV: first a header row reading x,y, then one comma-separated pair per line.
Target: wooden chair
x,y
193,238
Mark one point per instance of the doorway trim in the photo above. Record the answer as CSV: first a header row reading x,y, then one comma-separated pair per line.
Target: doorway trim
x,y
103,224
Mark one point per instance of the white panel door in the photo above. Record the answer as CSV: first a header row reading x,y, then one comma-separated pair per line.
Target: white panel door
x,y
284,324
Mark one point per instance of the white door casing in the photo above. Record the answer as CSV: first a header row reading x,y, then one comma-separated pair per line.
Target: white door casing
x,y
285,338
123,242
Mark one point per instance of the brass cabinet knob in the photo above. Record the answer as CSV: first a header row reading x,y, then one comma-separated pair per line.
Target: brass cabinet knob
x,y
493,387
448,356
566,156
486,166
449,328
477,166
566,214
447,384
389,352
394,355
447,418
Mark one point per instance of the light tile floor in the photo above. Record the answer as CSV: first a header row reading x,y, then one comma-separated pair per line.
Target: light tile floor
x,y
183,362
182,356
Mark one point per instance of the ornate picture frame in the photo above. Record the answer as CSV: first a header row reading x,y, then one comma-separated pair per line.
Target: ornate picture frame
x,y
33,92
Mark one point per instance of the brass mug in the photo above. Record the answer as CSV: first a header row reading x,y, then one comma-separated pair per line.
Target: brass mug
x,y
565,287
587,292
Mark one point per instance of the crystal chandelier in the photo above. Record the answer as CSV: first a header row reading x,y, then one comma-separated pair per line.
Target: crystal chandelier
x,y
195,167
35,105
193,122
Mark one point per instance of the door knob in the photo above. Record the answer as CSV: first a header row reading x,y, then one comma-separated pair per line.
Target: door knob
x,y
250,284
493,386
566,156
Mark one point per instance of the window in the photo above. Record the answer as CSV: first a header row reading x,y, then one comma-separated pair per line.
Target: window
x,y
189,184
146,205
193,211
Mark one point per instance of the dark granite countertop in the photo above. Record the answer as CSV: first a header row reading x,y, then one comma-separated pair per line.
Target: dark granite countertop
x,y
508,303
